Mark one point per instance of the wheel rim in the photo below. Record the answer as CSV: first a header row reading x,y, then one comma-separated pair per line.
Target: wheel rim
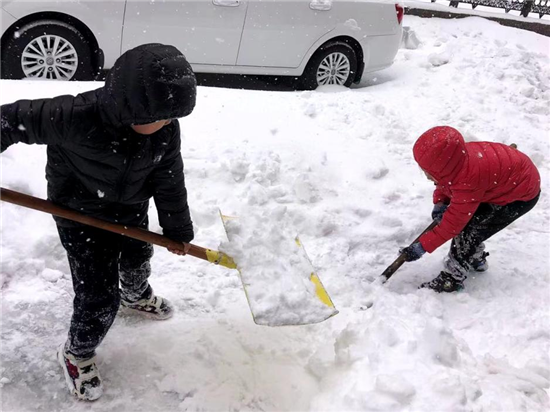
x,y
334,69
49,57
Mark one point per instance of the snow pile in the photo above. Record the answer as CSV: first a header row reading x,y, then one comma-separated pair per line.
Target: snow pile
x,y
274,269
340,161
409,40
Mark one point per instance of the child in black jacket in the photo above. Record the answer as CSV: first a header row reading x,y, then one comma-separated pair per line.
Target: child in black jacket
x,y
110,150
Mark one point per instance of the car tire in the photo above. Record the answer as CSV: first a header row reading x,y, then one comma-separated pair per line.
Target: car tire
x,y
333,63
66,53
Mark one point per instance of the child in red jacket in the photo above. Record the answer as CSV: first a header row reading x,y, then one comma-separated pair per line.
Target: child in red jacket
x,y
481,188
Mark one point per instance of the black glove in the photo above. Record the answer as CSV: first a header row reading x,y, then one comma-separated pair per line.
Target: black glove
x,y
412,252
438,210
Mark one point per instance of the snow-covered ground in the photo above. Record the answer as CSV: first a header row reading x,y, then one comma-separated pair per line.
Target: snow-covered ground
x,y
340,164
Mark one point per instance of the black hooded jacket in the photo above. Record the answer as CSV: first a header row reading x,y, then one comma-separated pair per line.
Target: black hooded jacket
x,y
97,164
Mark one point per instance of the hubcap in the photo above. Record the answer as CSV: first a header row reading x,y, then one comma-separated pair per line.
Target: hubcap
x,y
49,57
334,69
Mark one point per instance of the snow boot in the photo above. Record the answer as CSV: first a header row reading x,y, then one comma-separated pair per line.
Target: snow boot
x,y
445,282
82,376
479,262
153,307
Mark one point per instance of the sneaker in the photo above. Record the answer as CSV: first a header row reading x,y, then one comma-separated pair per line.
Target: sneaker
x,y
82,376
445,282
154,307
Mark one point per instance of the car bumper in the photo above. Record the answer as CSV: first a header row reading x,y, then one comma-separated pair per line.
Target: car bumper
x,y
380,51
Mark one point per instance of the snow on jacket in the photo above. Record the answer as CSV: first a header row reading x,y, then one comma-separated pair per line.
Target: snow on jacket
x,y
97,164
468,174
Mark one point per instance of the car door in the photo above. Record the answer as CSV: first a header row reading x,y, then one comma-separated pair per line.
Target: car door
x,y
278,33
206,31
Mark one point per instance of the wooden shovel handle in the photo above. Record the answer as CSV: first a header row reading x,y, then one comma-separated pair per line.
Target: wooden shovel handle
x,y
134,232
401,259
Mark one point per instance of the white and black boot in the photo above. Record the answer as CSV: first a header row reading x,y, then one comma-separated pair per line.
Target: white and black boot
x,y
451,279
153,307
82,376
444,282
479,259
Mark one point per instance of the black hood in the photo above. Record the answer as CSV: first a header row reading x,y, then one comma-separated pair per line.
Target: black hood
x,y
148,83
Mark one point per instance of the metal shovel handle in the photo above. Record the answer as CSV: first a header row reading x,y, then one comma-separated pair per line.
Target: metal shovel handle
x,y
46,206
401,258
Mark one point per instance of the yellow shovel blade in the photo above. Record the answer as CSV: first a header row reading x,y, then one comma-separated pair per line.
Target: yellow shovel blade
x,y
220,258
320,290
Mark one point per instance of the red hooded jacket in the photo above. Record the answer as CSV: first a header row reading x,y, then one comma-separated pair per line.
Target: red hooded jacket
x,y
468,174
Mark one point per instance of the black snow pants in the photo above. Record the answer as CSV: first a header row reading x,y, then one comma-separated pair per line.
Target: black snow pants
x,y
99,260
488,220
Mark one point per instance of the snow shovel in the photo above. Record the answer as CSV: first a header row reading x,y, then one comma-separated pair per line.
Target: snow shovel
x,y
401,258
322,304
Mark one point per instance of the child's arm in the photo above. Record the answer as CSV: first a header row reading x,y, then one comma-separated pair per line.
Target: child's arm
x,y
440,197
171,195
42,121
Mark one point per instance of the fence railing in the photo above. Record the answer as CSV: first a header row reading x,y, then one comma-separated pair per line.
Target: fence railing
x,y
523,6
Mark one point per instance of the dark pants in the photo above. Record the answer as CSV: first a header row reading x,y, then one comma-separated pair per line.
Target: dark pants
x,y
99,260
487,220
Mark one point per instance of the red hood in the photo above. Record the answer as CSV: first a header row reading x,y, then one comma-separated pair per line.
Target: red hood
x,y
441,151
